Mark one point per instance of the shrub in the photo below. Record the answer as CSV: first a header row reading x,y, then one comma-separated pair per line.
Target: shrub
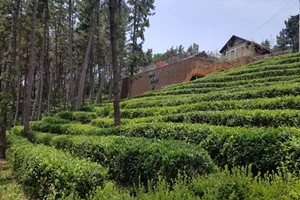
x,y
44,170
66,115
40,126
103,111
237,183
103,122
78,129
55,120
131,160
87,108
262,148
84,117
191,133
18,130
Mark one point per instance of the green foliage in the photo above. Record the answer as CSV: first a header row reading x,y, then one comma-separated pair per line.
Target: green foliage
x,y
78,129
286,102
262,148
131,160
103,122
84,117
103,111
258,118
238,184
66,115
190,133
235,115
18,130
44,170
289,36
55,120
87,108
81,116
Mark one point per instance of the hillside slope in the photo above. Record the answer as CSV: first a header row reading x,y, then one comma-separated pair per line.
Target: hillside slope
x,y
244,116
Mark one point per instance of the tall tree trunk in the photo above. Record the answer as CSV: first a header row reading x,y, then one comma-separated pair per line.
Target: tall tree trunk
x,y
70,51
18,82
3,123
132,65
5,94
27,106
92,86
113,42
49,92
101,81
42,62
36,96
87,56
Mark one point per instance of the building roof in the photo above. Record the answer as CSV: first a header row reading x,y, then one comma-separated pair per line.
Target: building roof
x,y
161,63
234,38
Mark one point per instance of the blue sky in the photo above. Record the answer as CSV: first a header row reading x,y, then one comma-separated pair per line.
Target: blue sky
x,y
210,23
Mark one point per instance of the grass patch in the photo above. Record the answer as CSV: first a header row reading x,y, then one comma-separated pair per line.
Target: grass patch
x,y
9,188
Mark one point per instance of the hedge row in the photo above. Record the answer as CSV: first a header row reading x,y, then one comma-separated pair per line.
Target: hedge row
x,y
217,87
258,74
100,126
252,93
286,102
264,67
259,118
45,171
264,148
131,160
199,84
81,116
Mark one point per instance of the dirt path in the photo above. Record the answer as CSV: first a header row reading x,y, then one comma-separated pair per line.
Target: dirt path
x,y
9,188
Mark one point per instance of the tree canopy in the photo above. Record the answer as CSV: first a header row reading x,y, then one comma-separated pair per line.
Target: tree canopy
x,y
288,37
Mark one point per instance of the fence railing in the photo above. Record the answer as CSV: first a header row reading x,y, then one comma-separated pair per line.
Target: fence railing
x,y
272,54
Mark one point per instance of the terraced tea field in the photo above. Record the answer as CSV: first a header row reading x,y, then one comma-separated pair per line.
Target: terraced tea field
x,y
247,116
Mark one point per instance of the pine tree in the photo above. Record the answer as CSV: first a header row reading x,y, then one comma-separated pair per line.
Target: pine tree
x,y
288,37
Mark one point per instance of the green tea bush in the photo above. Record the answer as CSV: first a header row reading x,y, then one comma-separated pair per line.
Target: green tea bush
x,y
78,129
49,124
259,118
84,117
286,102
46,127
46,171
291,151
18,130
262,148
191,133
87,108
55,120
274,90
131,160
103,111
66,115
103,122
40,138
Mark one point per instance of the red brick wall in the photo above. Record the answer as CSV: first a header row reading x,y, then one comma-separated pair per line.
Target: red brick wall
x,y
168,75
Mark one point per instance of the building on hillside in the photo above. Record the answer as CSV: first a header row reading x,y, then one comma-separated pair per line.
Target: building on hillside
x,y
237,52
237,47
162,77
